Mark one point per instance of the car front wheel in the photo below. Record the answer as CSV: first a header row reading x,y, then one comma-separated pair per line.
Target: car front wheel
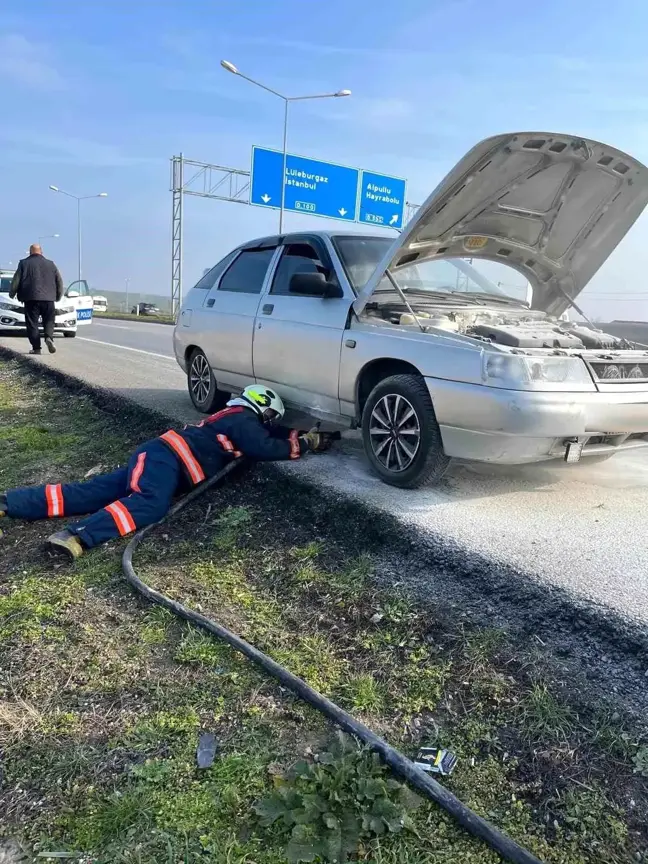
x,y
401,435
204,393
70,335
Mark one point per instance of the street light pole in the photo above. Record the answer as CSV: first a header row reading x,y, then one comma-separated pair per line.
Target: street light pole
x,y
79,241
78,199
230,67
283,169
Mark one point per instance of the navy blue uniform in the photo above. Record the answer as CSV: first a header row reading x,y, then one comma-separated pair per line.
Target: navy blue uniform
x,y
141,493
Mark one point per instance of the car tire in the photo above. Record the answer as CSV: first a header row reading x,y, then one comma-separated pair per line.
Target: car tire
x,y
203,391
70,335
414,454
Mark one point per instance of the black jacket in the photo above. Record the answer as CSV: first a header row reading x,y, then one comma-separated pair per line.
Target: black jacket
x,y
37,278
236,431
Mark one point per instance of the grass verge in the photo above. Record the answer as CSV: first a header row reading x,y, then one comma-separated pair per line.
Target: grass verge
x,y
102,699
127,316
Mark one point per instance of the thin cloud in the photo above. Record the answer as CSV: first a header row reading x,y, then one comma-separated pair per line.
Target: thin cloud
x,y
36,147
26,63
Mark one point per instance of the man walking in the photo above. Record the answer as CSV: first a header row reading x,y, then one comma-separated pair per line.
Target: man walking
x,y
37,284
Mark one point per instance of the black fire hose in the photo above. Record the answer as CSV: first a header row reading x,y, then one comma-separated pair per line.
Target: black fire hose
x,y
399,764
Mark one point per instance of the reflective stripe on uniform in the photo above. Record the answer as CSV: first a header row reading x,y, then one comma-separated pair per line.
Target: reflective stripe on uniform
x,y
137,473
54,498
123,519
227,445
295,449
183,451
219,414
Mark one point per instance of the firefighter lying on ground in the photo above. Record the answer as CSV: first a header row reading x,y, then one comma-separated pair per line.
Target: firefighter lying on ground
x,y
142,492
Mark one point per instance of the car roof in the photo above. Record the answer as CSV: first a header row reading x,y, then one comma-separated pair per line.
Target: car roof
x,y
280,239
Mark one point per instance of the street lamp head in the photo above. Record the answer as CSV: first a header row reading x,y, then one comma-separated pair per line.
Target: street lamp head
x,y
102,195
343,93
54,188
56,235
230,67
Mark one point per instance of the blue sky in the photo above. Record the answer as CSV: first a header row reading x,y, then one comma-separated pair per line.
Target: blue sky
x,y
97,96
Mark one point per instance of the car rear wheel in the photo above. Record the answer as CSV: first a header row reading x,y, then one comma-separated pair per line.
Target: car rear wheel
x,y
204,393
401,435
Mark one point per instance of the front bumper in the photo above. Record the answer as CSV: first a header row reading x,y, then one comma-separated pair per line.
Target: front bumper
x,y
10,320
512,427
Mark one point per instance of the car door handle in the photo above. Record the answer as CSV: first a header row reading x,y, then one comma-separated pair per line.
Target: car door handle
x,y
267,308
211,301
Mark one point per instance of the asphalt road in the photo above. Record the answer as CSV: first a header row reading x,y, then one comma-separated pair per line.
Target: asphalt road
x,y
582,528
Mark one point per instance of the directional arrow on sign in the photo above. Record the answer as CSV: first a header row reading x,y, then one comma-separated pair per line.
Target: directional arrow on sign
x,y
266,198
394,219
342,211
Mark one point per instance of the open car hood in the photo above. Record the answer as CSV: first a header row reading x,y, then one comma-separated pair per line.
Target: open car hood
x,y
551,206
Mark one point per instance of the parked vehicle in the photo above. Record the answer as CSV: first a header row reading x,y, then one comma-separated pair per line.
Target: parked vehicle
x,y
81,296
146,309
99,303
408,341
74,309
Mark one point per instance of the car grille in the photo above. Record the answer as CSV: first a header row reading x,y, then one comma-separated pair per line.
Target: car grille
x,y
611,370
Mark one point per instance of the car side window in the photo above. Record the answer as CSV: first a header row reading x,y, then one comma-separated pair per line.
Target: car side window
x,y
209,279
297,258
247,273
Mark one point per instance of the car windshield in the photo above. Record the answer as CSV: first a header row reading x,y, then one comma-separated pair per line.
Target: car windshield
x,y
5,284
360,257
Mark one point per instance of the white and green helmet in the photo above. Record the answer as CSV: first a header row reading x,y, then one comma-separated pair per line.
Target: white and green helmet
x,y
263,400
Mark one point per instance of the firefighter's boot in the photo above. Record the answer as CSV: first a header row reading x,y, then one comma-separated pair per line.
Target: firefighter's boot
x,y
64,541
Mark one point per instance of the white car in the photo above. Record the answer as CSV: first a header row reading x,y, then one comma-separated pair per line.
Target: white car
x,y
74,309
99,303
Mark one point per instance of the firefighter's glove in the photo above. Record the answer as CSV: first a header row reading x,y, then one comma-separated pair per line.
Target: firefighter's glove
x,y
318,442
313,440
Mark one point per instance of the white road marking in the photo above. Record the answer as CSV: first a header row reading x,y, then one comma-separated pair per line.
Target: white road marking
x,y
127,348
111,326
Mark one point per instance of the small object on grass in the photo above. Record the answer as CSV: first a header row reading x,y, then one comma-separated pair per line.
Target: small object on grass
x,y
436,761
58,855
206,750
96,469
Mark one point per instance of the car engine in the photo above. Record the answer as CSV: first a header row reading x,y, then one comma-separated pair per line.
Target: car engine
x,y
521,329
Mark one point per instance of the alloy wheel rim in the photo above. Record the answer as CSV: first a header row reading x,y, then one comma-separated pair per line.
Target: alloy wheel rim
x,y
394,432
200,378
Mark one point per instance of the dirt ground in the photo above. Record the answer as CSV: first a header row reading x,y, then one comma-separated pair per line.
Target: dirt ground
x,y
103,697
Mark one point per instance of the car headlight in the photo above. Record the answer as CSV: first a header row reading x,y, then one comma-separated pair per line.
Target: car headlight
x,y
528,372
12,307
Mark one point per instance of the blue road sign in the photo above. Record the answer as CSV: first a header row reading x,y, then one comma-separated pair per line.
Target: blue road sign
x,y
312,187
382,200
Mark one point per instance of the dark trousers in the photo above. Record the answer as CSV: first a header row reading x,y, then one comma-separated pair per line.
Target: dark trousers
x,y
129,498
35,309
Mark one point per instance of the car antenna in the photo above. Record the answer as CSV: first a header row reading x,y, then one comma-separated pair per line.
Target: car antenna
x,y
401,294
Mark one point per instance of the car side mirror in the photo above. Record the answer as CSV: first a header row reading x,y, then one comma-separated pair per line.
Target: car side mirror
x,y
72,293
314,285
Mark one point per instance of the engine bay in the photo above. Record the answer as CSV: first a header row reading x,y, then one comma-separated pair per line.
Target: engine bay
x,y
513,327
